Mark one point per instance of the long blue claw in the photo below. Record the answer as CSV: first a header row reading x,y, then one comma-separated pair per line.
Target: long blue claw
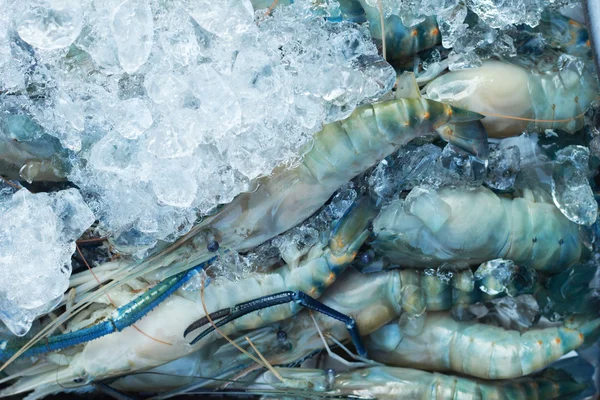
x,y
238,311
120,319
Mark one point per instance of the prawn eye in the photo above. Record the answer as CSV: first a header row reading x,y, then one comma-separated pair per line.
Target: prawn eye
x,y
366,258
282,336
78,380
212,246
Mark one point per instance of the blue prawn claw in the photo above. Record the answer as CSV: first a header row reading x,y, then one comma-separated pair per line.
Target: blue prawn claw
x,y
120,319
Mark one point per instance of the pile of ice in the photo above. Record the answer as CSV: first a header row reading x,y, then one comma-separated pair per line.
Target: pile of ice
x,y
172,108
37,239
473,29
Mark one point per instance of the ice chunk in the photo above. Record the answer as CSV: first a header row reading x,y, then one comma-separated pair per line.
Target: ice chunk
x,y
499,14
176,137
463,167
503,276
72,112
381,180
530,152
112,153
341,201
571,189
97,40
175,186
503,166
135,118
133,30
493,276
425,165
294,244
50,24
218,103
517,313
595,146
164,86
225,19
37,239
452,25
419,165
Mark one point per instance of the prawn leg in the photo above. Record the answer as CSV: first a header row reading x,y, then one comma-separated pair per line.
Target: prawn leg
x,y
346,238
297,297
120,319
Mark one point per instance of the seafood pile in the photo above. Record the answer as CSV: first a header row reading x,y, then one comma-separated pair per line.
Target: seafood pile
x,y
299,199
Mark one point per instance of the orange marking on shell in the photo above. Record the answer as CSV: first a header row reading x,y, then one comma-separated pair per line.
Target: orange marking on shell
x,y
588,43
539,342
414,32
557,340
331,277
426,115
581,336
435,32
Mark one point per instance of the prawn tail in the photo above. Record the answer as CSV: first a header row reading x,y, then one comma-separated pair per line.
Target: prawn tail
x,y
469,136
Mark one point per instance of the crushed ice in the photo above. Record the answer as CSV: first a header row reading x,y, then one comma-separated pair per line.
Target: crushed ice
x,y
170,109
37,239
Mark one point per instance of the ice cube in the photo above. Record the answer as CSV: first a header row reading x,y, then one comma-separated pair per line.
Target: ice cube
x,y
493,276
571,189
133,31
49,24
341,201
225,19
134,119
37,240
503,166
